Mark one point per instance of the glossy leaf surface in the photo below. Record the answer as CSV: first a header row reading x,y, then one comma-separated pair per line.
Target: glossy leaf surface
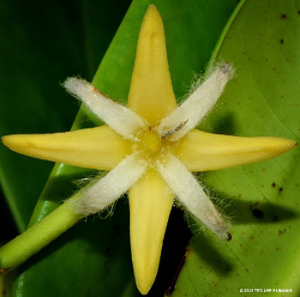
x,y
262,99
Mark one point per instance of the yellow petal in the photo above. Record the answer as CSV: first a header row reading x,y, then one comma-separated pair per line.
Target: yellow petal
x,y
151,93
97,148
200,151
150,202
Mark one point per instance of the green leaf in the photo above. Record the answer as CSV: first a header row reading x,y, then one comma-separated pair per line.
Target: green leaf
x,y
262,99
93,258
41,45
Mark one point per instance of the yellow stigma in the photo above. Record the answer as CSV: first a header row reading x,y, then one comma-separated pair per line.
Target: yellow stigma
x,y
151,142
152,146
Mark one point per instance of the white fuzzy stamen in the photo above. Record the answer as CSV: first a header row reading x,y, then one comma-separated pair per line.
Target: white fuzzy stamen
x,y
190,193
109,188
192,111
121,119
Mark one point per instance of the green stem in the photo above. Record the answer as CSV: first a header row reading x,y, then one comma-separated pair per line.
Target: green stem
x,y
21,248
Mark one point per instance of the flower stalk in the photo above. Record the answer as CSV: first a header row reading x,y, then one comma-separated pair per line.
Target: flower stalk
x,y
24,246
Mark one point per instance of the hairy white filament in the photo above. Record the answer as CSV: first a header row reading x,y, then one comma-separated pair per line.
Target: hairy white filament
x,y
192,111
109,188
190,193
121,119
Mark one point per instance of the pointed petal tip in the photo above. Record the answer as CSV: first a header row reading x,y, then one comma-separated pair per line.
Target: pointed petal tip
x,y
145,274
151,93
21,143
144,285
152,25
285,144
152,9
152,19
14,142
150,201
201,151
3,139
145,271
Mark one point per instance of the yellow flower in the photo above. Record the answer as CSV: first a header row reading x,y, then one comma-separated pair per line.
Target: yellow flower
x,y
150,147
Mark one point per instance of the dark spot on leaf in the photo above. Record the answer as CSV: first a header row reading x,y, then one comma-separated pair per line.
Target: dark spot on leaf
x,y
280,190
251,237
229,237
273,185
257,213
284,16
251,205
280,232
282,41
277,249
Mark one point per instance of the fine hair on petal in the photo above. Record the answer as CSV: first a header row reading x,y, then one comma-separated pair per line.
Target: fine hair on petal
x,y
198,78
88,179
190,193
120,118
219,64
103,192
220,201
198,104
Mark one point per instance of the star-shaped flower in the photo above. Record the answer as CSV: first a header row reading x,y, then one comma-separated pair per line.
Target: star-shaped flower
x,y
150,147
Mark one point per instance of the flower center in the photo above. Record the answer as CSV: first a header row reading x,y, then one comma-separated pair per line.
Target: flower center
x,y
151,146
151,142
